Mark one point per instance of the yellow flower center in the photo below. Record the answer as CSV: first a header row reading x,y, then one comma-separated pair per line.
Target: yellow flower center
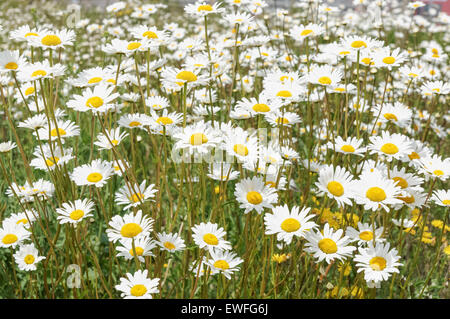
x,y
9,239
376,194
11,66
76,214
438,172
94,177
407,199
210,239
390,116
169,245
29,91
254,198
377,263
389,148
138,290
412,75
325,80
114,142
446,202
284,93
413,156
94,101
139,251
29,259
95,79
328,246
260,107
306,32
290,225
282,120
366,235
51,40
401,181
130,230
335,188
240,149
134,124
133,45
52,161
366,61
55,132
23,221
150,35
388,60
38,73
358,44
136,197
204,7
164,120
198,139
187,76
31,34
221,264
344,52
348,148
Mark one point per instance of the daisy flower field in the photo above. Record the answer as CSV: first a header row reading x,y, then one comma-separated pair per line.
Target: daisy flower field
x,y
224,149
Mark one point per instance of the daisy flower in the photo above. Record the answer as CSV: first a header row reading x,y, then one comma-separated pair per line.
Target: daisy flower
x,y
137,196
385,58
325,75
48,158
360,43
263,106
253,194
142,245
364,233
377,262
129,226
374,191
199,137
138,286
222,172
396,113
287,224
210,236
39,70
13,234
60,129
157,102
25,218
430,88
155,36
393,146
27,256
99,99
96,173
170,242
126,47
54,39
203,8
277,119
224,262
329,245
136,120
7,146
301,32
435,167
336,183
74,212
111,139
10,61
94,76
351,145
238,143
25,33
441,197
